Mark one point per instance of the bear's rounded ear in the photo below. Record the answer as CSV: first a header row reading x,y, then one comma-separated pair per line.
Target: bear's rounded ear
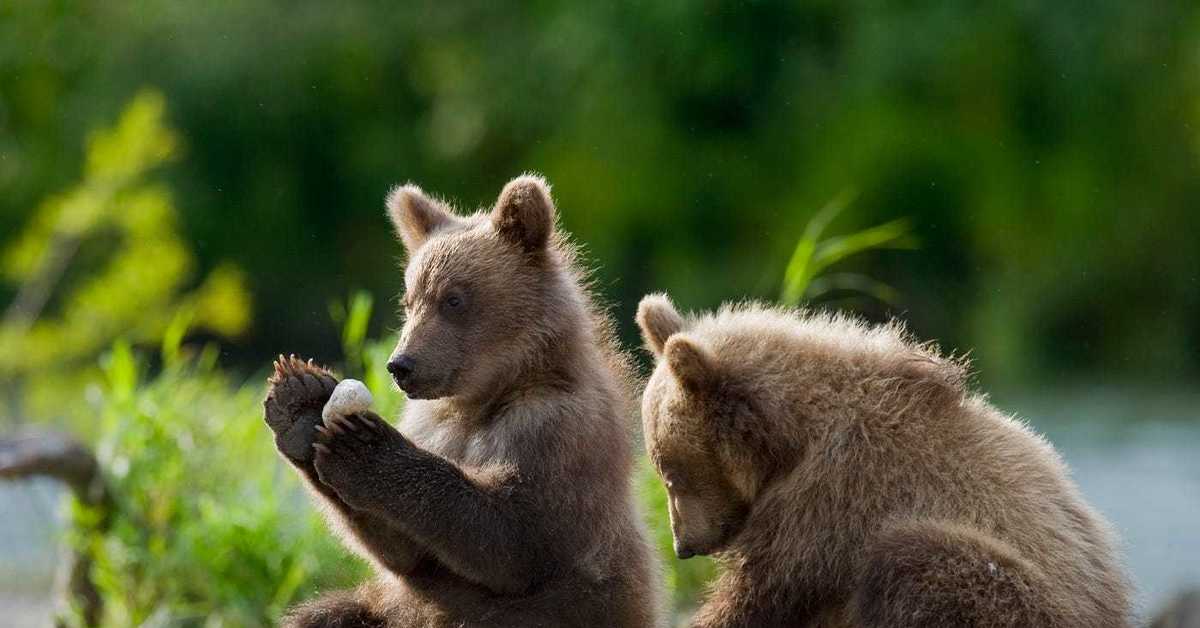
x,y
692,365
658,319
524,213
415,216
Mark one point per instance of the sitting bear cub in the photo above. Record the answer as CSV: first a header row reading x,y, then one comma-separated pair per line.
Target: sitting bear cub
x,y
844,476
504,497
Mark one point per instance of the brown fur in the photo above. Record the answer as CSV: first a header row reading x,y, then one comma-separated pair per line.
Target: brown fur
x,y
844,476
504,499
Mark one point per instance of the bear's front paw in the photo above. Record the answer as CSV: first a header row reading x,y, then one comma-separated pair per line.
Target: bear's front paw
x,y
352,453
297,391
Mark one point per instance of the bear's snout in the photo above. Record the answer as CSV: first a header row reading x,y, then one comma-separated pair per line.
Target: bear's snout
x,y
683,552
401,368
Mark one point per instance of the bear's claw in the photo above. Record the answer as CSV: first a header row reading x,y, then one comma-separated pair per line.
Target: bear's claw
x,y
347,449
297,391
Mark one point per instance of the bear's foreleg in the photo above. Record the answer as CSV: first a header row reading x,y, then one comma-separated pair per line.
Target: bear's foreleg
x,y
748,598
483,532
339,609
936,574
297,392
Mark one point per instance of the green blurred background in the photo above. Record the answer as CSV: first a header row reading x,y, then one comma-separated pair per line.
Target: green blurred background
x,y
1045,155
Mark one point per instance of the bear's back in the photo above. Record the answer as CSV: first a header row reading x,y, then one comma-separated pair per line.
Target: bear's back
x,y
891,433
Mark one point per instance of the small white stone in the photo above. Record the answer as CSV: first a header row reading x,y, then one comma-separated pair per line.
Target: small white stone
x,y
349,397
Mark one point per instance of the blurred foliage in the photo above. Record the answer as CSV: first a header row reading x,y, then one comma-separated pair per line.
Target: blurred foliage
x,y
105,260
806,280
1046,153
209,527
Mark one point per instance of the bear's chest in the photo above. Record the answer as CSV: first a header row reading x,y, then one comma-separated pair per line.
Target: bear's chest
x,y
464,445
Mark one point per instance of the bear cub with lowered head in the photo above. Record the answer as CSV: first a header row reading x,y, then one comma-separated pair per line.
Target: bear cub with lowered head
x,y
844,476
504,499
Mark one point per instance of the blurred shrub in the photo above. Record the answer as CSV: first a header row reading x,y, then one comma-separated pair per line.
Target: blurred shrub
x,y
104,259
209,527
1047,155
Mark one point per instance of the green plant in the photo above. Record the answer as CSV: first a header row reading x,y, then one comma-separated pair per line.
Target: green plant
x,y
366,358
208,525
806,279
105,260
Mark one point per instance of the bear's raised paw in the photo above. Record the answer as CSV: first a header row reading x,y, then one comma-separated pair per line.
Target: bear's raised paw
x,y
296,393
355,456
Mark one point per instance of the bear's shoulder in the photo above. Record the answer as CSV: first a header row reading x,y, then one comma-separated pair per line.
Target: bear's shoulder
x,y
831,351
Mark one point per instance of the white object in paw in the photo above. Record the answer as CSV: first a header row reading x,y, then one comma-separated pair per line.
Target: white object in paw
x,y
349,397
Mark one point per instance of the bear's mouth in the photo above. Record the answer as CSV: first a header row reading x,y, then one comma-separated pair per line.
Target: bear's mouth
x,y
727,531
417,390
424,389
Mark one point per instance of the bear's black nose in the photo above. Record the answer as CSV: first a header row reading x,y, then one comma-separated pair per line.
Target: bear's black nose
x,y
400,367
684,552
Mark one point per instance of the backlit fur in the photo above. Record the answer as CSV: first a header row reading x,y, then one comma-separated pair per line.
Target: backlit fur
x,y
862,483
505,497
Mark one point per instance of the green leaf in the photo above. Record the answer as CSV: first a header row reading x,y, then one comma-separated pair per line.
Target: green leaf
x,y
812,256
121,368
173,335
800,268
893,234
852,282
355,329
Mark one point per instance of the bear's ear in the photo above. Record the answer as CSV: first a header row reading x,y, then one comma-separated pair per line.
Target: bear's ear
x,y
692,364
524,213
658,319
415,216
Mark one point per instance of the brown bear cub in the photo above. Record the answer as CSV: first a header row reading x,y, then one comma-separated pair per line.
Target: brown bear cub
x,y
504,499
844,476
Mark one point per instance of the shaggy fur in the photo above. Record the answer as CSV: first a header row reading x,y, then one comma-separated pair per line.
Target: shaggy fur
x,y
504,499
844,476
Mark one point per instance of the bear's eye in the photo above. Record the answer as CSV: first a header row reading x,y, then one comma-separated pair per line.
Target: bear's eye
x,y
670,480
454,304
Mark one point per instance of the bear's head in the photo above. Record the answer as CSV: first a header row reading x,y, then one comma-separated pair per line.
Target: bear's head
x,y
701,431
479,289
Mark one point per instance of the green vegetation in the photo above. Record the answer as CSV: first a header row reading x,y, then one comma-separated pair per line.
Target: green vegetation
x,y
1045,154
105,260
209,526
